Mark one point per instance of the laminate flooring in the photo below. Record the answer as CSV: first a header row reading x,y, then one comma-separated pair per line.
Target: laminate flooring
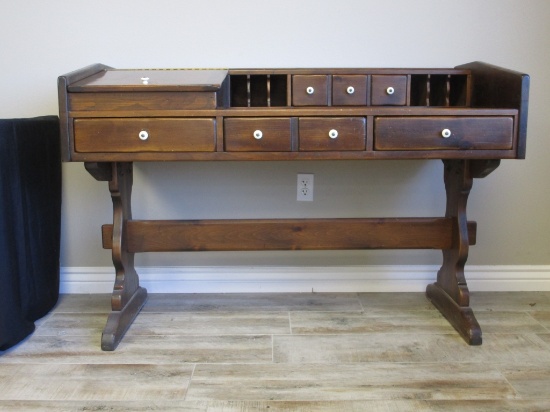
x,y
284,352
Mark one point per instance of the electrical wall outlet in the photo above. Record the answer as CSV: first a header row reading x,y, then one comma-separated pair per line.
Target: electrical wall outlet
x,y
305,187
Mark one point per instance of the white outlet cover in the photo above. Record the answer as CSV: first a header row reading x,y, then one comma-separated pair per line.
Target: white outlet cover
x,y
304,187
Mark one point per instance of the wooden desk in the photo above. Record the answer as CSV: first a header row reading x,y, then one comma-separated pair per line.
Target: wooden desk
x,y
471,117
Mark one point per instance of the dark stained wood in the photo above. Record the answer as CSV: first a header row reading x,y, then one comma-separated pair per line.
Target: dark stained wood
x,y
177,80
303,112
141,101
273,134
287,234
426,133
267,115
128,297
380,94
450,293
102,172
286,155
319,95
315,133
63,83
162,135
494,86
343,96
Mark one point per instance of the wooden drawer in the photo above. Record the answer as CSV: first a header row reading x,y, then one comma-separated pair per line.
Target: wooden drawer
x,y
310,90
145,135
142,101
389,90
436,133
349,90
148,90
332,133
257,134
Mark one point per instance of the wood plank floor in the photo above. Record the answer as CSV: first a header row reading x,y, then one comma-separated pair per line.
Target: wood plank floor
x,y
284,352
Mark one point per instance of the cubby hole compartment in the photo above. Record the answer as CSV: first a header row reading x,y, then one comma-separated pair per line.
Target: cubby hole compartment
x,y
239,91
442,90
420,87
258,90
459,90
439,90
278,90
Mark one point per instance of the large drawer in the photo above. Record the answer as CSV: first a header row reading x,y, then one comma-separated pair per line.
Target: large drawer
x,y
145,135
271,134
332,133
436,133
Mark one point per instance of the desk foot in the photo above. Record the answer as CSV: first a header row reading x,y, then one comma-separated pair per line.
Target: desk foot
x,y
461,317
119,321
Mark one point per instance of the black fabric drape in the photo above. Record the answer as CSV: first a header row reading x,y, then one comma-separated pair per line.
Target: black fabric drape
x,y
30,219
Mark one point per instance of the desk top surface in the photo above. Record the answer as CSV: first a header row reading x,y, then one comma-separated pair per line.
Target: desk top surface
x,y
151,80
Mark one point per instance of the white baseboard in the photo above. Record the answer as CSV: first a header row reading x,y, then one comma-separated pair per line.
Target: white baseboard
x,y
247,279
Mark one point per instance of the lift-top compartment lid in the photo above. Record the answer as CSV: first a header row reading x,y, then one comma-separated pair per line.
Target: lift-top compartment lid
x,y
177,80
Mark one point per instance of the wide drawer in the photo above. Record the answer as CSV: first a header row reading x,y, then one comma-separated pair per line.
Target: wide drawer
x,y
332,133
145,135
437,133
141,101
270,134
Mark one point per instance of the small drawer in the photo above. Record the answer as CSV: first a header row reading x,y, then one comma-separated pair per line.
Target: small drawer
x,y
310,90
440,133
349,90
257,134
144,135
389,90
332,134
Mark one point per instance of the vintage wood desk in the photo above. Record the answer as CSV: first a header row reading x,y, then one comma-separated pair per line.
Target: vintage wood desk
x,y
471,117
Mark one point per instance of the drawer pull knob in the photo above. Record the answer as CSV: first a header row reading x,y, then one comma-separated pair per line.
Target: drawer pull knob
x,y
445,133
145,80
310,90
390,90
143,135
350,90
258,134
333,134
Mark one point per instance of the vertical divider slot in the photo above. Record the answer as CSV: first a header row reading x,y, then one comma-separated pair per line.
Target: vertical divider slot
x,y
439,90
420,90
238,89
278,89
459,90
258,90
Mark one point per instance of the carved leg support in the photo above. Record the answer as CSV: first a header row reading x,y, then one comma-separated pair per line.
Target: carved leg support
x,y
450,293
128,297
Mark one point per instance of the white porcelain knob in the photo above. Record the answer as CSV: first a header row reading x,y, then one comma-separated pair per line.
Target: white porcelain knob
x,y
143,135
445,133
333,134
350,90
145,80
390,90
310,90
258,134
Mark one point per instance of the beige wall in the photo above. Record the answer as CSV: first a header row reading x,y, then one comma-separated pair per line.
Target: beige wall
x,y
43,39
